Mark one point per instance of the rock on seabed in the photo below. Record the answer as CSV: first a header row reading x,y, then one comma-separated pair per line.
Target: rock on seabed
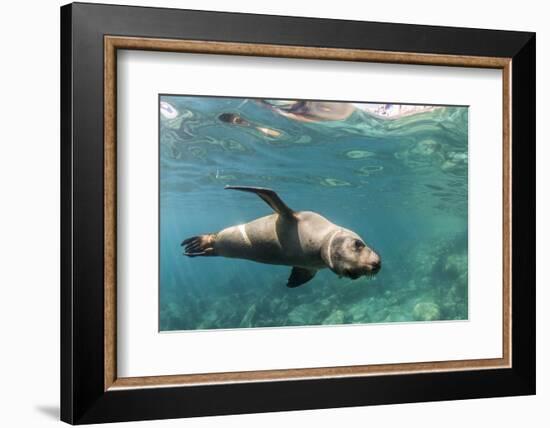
x,y
426,311
337,317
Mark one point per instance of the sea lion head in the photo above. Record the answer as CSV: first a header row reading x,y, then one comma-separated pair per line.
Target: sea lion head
x,y
233,119
346,254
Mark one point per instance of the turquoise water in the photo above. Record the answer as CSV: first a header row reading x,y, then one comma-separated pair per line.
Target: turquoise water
x,y
401,184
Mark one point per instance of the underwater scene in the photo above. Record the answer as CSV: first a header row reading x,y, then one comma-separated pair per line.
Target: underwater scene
x,y
334,213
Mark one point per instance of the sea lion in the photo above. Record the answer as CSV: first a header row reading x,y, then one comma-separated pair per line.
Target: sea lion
x,y
304,240
312,111
235,119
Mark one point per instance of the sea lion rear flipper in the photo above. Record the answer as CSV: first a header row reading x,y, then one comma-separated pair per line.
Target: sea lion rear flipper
x,y
269,196
200,245
300,276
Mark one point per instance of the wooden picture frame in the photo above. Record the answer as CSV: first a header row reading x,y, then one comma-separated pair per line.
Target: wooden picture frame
x,y
91,390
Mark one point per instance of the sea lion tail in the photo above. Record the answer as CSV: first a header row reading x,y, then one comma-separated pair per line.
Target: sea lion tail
x,y
200,245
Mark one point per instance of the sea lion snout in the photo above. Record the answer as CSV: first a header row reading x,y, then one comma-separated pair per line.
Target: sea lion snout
x,y
374,263
368,264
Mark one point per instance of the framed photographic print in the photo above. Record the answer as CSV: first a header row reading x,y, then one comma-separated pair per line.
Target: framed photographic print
x,y
265,213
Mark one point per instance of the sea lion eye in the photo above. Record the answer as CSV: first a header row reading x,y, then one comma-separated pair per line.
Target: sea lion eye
x,y
358,244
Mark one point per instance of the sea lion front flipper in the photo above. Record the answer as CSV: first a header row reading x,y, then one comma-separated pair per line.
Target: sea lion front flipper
x,y
300,276
269,196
